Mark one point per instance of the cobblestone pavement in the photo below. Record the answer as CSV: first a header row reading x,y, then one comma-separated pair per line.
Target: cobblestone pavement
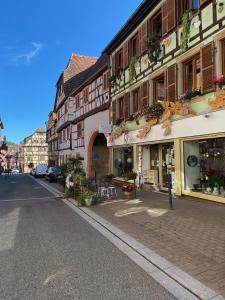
x,y
192,236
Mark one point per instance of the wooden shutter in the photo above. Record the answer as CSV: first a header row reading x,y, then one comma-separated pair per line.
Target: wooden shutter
x,y
164,19
144,96
113,65
79,130
127,105
207,60
138,43
171,17
126,55
172,83
144,37
114,110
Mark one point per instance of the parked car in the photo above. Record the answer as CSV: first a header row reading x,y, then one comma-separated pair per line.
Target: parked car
x,y
40,171
53,174
32,172
15,171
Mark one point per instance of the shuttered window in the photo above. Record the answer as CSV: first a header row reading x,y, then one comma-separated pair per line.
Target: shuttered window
x,y
119,61
113,65
156,24
126,55
144,37
127,106
135,46
223,56
159,88
192,74
77,102
114,110
136,100
79,130
207,61
86,95
121,106
172,83
144,96
168,16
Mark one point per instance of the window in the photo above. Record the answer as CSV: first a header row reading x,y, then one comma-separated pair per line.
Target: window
x,y
66,107
184,5
122,161
119,61
86,94
106,81
192,74
159,88
121,106
156,24
68,133
136,100
223,56
134,46
77,102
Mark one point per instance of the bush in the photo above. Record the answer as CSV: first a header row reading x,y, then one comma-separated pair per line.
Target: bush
x,y
130,175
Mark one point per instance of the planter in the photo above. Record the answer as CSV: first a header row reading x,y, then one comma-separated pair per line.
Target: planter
x,y
88,201
128,195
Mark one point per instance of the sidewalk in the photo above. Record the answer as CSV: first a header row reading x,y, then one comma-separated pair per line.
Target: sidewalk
x,y
192,236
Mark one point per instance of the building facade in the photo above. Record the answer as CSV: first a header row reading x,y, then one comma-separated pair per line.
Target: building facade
x,y
52,139
166,85
34,150
82,117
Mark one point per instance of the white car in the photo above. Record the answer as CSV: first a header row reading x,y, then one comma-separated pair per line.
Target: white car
x,y
40,171
15,171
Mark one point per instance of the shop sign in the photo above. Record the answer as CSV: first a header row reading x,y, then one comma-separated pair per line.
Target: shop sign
x,y
105,128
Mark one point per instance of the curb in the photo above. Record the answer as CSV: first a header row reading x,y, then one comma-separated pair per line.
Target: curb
x,y
175,280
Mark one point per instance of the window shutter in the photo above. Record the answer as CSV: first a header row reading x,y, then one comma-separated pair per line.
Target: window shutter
x,y
144,96
172,83
139,43
114,110
144,37
126,55
113,65
171,17
207,59
164,18
79,130
127,105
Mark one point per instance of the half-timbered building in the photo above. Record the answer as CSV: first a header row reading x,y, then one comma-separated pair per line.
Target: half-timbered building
x,y
166,81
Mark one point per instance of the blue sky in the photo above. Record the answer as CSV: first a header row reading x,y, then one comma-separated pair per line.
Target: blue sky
x,y
36,41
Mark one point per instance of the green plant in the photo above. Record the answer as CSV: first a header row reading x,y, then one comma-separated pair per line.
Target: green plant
x,y
132,70
215,181
154,48
156,110
86,195
184,36
130,175
107,177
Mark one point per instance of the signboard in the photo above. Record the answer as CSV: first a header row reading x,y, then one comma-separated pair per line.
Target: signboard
x,y
105,128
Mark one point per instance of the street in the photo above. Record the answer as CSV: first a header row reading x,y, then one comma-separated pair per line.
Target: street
x,y
49,252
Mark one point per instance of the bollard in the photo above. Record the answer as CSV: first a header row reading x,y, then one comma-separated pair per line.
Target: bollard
x,y
169,181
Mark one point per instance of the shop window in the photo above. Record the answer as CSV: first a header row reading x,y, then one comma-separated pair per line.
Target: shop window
x,y
204,166
122,161
192,74
156,24
136,100
159,88
119,61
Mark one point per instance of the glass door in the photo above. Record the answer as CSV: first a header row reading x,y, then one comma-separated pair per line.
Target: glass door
x,y
168,165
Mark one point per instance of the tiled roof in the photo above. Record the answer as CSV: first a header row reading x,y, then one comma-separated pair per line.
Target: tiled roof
x,y
83,78
76,65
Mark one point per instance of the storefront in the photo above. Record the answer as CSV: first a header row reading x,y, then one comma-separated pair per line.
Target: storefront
x,y
123,161
157,162
204,167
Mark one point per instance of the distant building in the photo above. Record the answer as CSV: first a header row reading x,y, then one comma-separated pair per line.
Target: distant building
x,y
12,156
34,150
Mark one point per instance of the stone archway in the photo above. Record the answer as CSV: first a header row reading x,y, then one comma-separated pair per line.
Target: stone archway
x,y
98,155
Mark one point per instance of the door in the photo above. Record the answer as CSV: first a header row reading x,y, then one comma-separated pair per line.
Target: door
x,y
167,163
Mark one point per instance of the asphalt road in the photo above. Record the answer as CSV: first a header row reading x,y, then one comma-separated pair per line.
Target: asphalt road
x,y
47,251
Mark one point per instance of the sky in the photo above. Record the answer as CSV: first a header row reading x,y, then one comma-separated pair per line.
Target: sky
x,y
37,38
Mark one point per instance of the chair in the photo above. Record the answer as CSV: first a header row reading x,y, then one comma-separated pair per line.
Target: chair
x,y
112,191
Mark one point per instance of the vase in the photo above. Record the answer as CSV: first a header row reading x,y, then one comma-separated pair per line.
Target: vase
x,y
88,201
128,195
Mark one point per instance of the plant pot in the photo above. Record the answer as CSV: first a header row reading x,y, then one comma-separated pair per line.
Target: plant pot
x,y
215,191
88,201
128,195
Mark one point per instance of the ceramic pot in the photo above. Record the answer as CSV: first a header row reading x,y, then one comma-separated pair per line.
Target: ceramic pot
x,y
88,201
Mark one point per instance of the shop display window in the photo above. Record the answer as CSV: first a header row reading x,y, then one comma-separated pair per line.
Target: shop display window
x,y
122,161
204,166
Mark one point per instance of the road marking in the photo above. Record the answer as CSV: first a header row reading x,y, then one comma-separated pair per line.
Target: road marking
x,y
177,282
24,199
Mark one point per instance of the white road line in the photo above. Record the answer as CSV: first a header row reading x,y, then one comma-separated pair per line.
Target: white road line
x,y
177,282
24,199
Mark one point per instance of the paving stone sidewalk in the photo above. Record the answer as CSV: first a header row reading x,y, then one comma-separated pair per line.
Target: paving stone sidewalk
x,y
192,236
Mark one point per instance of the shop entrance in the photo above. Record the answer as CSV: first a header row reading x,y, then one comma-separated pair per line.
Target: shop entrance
x,y
157,162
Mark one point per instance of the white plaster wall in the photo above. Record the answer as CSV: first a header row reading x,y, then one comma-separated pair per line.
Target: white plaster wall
x,y
193,126
146,158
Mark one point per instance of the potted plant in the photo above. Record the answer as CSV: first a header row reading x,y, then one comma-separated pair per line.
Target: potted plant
x,y
131,176
86,198
215,182
128,189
